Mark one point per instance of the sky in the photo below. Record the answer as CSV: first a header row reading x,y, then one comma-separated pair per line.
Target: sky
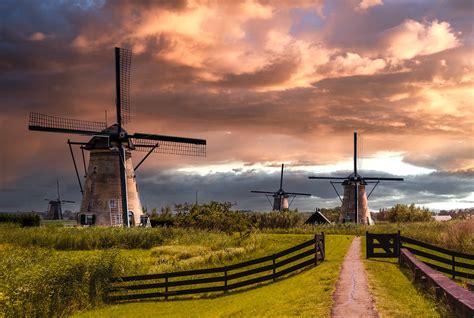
x,y
264,82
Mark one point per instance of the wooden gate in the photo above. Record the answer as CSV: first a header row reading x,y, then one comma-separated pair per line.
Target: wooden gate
x,y
388,245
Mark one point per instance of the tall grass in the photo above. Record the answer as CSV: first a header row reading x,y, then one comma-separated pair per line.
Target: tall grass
x,y
84,238
34,282
453,235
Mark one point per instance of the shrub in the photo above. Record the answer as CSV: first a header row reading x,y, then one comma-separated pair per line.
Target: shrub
x,y
217,216
406,213
23,219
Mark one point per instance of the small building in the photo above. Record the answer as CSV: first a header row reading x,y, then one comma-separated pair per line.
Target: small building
x,y
441,218
317,218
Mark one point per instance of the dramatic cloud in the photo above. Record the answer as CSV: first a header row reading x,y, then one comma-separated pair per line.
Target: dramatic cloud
x,y
263,81
365,4
412,38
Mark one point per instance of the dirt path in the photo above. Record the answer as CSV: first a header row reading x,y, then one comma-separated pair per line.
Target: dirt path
x,y
352,297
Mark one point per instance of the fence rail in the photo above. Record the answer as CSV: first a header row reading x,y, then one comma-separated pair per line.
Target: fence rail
x,y
392,243
122,286
414,246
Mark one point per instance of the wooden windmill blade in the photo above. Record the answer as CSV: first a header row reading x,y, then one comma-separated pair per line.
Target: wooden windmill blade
x,y
123,64
264,192
170,144
42,122
298,193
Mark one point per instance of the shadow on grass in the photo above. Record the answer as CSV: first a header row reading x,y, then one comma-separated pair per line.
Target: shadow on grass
x,y
441,307
381,260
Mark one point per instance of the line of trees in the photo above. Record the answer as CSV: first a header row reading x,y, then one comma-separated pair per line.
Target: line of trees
x,y
402,213
218,216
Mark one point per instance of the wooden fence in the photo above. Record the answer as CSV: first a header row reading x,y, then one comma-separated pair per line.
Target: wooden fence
x,y
459,299
454,260
389,243
430,254
222,279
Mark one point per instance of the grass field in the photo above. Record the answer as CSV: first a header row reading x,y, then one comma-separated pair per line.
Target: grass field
x,y
58,271
308,294
393,292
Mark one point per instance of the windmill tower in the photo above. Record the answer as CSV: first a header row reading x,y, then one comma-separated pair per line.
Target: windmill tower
x,y
354,202
280,197
110,195
55,206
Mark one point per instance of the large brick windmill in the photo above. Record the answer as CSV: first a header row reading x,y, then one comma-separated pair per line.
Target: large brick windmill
x,y
280,197
354,202
110,195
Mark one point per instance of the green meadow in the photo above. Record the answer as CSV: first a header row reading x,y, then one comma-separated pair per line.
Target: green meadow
x,y
54,271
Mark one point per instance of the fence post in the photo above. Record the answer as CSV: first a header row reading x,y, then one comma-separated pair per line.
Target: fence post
x,y
453,267
225,279
399,248
315,249
166,287
323,252
367,244
274,267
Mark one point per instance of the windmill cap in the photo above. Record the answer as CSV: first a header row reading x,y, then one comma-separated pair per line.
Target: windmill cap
x,y
102,142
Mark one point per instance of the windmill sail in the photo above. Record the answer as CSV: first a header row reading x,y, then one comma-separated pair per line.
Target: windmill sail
x,y
50,123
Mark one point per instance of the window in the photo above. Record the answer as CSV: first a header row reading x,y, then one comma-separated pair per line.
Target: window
x,y
112,203
87,219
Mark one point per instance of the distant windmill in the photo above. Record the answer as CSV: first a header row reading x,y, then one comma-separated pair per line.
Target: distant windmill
x,y
280,197
55,206
354,202
111,194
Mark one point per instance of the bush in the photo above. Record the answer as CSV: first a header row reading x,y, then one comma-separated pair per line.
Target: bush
x,y
217,216
23,219
406,213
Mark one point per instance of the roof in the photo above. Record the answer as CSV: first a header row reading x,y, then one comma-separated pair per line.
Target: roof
x,y
317,218
442,217
102,142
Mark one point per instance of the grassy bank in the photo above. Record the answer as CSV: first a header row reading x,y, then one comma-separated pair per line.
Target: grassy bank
x,y
393,292
308,294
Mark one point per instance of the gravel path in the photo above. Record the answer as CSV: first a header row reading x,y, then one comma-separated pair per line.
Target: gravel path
x,y
352,297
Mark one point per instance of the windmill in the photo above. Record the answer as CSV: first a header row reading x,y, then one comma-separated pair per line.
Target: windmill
x,y
354,202
110,195
54,206
280,197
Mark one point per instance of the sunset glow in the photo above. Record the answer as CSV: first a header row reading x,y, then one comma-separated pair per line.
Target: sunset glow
x,y
264,82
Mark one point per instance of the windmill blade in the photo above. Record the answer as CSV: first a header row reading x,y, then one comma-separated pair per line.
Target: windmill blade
x,y
67,201
265,192
123,62
42,122
298,193
384,179
170,144
281,176
328,178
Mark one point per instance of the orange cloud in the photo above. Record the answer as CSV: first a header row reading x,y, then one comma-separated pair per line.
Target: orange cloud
x,y
412,38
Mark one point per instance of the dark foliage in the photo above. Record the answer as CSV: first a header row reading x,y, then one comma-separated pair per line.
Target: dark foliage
x,y
23,219
217,216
